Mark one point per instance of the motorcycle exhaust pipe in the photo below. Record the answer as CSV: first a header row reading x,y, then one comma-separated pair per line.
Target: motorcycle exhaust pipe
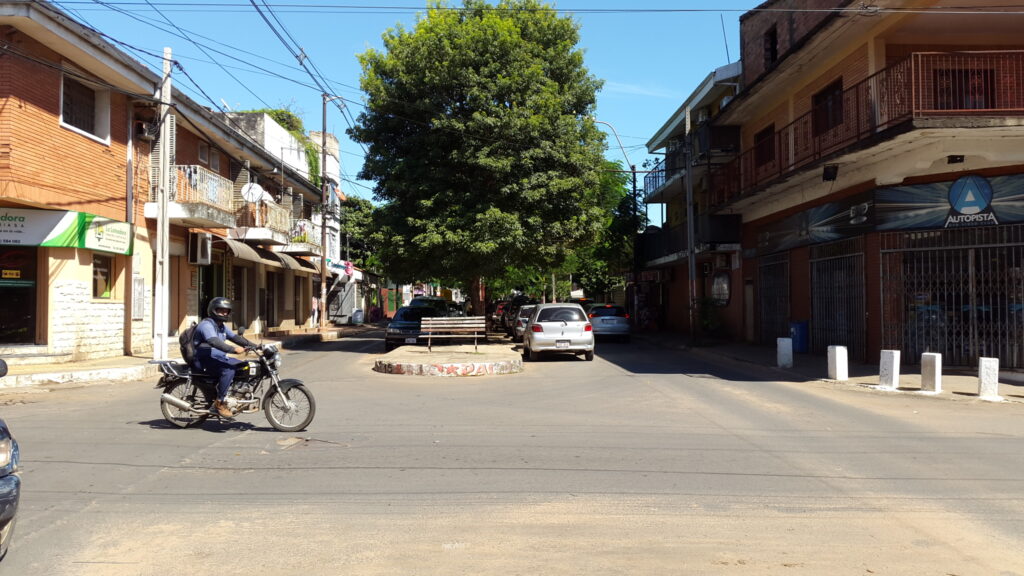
x,y
177,402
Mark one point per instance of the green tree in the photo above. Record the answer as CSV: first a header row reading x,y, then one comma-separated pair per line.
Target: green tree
x,y
480,143
356,230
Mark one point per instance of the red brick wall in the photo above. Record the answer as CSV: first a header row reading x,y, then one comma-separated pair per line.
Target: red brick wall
x,y
42,161
792,28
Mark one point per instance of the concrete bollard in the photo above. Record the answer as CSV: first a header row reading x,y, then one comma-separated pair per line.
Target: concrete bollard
x,y
838,365
931,373
784,355
988,379
889,370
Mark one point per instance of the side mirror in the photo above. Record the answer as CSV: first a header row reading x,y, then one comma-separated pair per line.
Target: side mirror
x,y
3,368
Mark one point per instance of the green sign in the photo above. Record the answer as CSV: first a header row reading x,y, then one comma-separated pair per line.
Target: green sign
x,y
58,228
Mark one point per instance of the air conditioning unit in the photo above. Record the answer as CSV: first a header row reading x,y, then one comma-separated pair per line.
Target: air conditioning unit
x,y
200,245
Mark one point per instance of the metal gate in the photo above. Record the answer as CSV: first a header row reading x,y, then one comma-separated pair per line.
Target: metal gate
x,y
956,292
773,297
837,298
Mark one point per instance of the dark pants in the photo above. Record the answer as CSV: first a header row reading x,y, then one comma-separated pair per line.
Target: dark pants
x,y
223,368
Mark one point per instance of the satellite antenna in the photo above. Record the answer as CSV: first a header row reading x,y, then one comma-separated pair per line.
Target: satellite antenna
x,y
252,192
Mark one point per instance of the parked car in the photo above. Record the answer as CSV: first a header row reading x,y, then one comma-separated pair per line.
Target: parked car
x,y
456,309
404,327
511,312
435,302
10,481
523,317
610,320
558,327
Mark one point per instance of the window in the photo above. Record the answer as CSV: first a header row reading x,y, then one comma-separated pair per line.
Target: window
x,y
764,146
85,109
828,108
215,161
204,153
102,276
771,47
965,89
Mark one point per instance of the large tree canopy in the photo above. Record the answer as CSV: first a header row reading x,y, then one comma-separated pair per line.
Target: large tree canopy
x,y
480,141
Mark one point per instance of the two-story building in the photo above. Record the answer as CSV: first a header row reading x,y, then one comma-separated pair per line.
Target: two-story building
x,y
80,136
876,180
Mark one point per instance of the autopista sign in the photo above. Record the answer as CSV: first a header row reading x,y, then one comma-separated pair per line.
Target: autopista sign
x,y
61,228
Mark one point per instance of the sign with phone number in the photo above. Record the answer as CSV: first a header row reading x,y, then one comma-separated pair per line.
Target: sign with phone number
x,y
60,228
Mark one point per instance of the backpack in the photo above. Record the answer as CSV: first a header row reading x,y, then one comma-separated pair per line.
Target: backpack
x,y
187,345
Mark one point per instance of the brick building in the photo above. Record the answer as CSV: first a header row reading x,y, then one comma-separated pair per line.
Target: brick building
x,y
871,160
79,138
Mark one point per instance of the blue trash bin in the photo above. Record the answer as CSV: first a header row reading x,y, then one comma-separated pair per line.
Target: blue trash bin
x,y
798,333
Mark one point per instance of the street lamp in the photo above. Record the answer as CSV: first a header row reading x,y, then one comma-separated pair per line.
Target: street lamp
x,y
636,217
323,212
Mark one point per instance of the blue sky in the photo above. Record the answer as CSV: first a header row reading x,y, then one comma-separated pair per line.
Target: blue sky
x,y
650,56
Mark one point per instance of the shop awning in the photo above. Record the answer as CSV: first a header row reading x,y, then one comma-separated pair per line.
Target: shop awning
x,y
245,252
307,265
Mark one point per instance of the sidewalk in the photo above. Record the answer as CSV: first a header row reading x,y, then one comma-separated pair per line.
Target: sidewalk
x,y
134,368
957,384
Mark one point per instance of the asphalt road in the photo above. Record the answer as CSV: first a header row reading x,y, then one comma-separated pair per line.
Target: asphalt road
x,y
643,461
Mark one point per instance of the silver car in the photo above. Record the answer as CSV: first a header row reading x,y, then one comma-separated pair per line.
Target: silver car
x,y
609,320
524,316
558,327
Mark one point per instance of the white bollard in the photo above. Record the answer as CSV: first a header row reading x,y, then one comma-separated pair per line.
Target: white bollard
x,y
988,379
931,373
889,370
838,365
784,355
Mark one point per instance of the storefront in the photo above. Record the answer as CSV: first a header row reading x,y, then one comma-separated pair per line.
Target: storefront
x,y
73,262
933,267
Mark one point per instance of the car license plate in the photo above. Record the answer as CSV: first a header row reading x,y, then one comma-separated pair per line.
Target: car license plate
x,y
561,343
410,340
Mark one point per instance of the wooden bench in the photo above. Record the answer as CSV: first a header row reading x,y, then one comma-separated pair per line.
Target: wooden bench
x,y
453,327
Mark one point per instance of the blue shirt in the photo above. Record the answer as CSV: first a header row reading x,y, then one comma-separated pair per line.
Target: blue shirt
x,y
207,329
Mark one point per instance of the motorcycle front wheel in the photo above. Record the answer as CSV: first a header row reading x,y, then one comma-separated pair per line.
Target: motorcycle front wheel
x,y
290,410
190,393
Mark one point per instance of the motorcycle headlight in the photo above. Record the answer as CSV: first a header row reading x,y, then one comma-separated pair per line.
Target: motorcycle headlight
x,y
277,362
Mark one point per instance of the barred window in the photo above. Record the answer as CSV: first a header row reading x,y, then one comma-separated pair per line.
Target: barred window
x,y
86,109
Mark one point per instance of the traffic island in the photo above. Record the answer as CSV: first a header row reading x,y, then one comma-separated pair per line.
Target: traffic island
x,y
457,360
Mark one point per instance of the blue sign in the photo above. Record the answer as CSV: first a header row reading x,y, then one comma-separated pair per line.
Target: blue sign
x,y
970,203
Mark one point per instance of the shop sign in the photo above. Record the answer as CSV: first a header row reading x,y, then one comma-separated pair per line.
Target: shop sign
x,y
57,228
969,201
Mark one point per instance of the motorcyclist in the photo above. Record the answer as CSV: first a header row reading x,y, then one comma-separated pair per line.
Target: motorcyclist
x,y
214,340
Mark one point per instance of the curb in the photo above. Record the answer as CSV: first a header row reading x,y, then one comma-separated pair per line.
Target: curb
x,y
128,374
449,369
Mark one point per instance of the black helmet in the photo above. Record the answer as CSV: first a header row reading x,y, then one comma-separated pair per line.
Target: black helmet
x,y
216,309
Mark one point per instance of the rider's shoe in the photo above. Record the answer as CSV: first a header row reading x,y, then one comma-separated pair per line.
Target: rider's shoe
x,y
222,409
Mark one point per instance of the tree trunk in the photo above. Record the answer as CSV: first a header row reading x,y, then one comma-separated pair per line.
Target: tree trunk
x,y
477,296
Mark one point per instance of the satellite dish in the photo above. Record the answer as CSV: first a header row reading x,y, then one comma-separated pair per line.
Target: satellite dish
x,y
252,192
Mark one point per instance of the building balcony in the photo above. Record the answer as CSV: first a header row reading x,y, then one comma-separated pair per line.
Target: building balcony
x,y
305,238
198,198
263,223
926,95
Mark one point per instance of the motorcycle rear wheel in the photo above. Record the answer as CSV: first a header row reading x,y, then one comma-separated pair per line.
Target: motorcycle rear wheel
x,y
275,406
190,393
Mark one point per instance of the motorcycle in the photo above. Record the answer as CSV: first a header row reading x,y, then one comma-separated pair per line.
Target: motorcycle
x,y
188,395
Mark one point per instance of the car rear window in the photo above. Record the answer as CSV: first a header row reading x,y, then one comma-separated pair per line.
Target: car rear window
x,y
525,311
608,311
560,315
415,314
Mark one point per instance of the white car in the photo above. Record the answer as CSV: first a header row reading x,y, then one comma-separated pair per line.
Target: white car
x,y
609,320
558,327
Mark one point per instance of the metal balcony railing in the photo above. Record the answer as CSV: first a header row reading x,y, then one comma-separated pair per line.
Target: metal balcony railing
x,y
304,231
192,184
923,85
667,168
268,215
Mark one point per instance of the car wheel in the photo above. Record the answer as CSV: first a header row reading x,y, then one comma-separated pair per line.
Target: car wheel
x,y
588,355
534,355
388,347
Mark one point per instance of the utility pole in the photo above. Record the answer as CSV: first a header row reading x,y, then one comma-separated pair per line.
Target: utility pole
x,y
323,219
161,289
691,241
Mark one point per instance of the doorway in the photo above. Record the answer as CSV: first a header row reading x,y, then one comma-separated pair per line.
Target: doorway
x,y
18,285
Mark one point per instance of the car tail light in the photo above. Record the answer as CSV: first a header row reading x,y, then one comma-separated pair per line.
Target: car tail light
x,y
536,328
589,327
590,315
626,316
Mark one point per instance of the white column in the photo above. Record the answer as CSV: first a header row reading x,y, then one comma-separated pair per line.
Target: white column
x,y
889,370
838,365
931,373
988,379
784,355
